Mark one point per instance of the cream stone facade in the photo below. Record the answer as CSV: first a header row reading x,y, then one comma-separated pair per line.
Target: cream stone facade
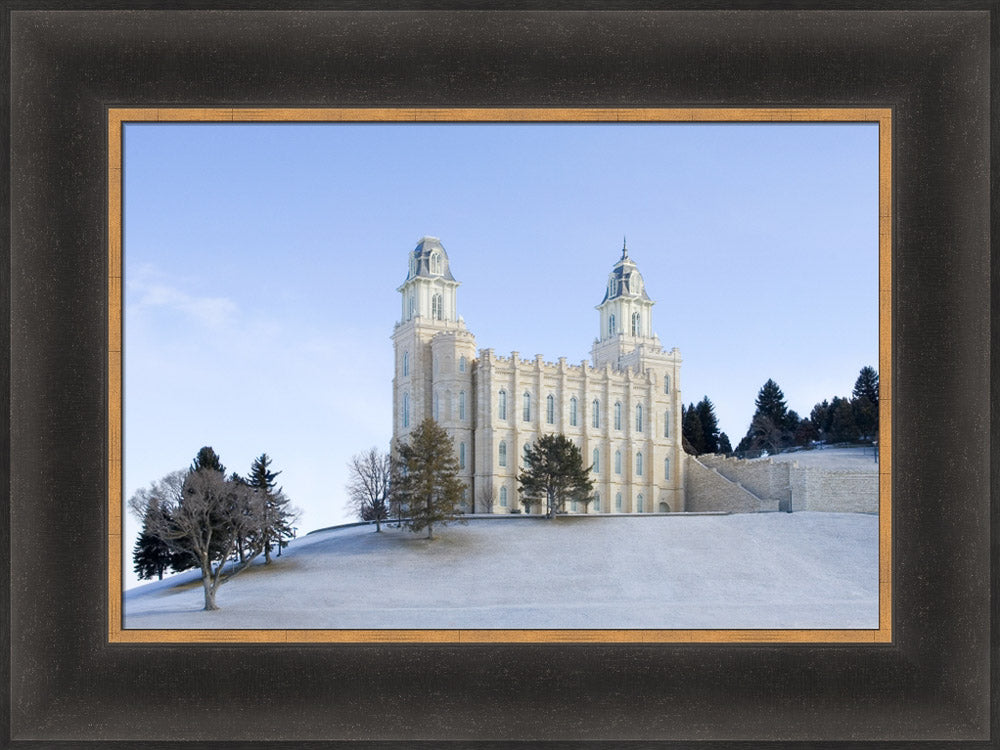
x,y
623,408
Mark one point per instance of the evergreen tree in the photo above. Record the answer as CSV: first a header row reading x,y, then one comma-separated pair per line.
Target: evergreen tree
x,y
207,459
820,417
554,473
865,403
770,403
151,556
806,432
769,427
709,426
725,447
428,483
843,427
692,430
866,386
276,526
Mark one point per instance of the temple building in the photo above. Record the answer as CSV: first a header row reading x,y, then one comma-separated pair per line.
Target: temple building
x,y
623,408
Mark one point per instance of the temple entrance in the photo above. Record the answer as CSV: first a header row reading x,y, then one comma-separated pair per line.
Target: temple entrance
x,y
664,508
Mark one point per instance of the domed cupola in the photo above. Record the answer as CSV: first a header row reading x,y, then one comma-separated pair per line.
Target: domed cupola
x,y
625,280
626,312
430,260
428,294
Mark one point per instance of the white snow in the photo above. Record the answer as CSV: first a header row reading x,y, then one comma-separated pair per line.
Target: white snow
x,y
767,570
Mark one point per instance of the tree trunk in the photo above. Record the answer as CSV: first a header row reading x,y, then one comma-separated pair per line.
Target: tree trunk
x,y
430,531
378,524
206,583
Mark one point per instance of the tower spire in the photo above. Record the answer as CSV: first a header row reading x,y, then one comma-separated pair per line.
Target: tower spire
x,y
624,248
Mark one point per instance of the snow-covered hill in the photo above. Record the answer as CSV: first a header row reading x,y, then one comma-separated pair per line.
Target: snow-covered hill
x,y
768,570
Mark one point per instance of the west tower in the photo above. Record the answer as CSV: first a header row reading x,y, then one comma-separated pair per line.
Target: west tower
x,y
434,353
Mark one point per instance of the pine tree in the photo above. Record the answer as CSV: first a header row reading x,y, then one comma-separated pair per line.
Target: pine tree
x,y
709,426
691,429
769,427
428,483
865,403
725,447
276,527
151,556
771,403
820,417
554,473
207,459
866,386
843,427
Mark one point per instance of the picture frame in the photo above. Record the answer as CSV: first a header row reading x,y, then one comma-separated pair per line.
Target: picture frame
x,y
67,682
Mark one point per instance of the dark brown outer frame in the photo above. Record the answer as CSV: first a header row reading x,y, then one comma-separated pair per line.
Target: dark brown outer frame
x,y
67,682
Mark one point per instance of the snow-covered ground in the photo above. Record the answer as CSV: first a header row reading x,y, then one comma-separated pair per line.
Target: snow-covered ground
x,y
859,458
767,570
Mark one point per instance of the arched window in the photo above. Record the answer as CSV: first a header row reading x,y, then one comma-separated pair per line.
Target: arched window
x,y
618,501
597,461
406,410
437,307
461,405
618,415
572,411
611,324
526,411
597,502
461,455
406,363
638,418
436,405
666,423
666,468
502,453
503,497
635,324
639,504
502,405
435,263
596,417
574,506
461,363
666,384
550,409
618,462
409,308
638,464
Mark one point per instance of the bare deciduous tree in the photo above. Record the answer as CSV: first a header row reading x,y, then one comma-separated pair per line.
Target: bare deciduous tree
x,y
206,516
370,477
487,498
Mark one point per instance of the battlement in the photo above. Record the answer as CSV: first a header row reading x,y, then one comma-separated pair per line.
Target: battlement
x,y
488,357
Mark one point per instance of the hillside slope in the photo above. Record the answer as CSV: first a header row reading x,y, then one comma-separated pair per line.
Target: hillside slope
x,y
770,570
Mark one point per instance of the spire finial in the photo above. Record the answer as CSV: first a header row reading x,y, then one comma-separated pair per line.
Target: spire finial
x,y
624,248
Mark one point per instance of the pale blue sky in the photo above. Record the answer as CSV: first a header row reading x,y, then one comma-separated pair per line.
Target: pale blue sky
x,y
261,263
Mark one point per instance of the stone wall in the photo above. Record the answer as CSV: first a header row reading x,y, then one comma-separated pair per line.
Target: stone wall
x,y
708,490
764,478
835,490
816,488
